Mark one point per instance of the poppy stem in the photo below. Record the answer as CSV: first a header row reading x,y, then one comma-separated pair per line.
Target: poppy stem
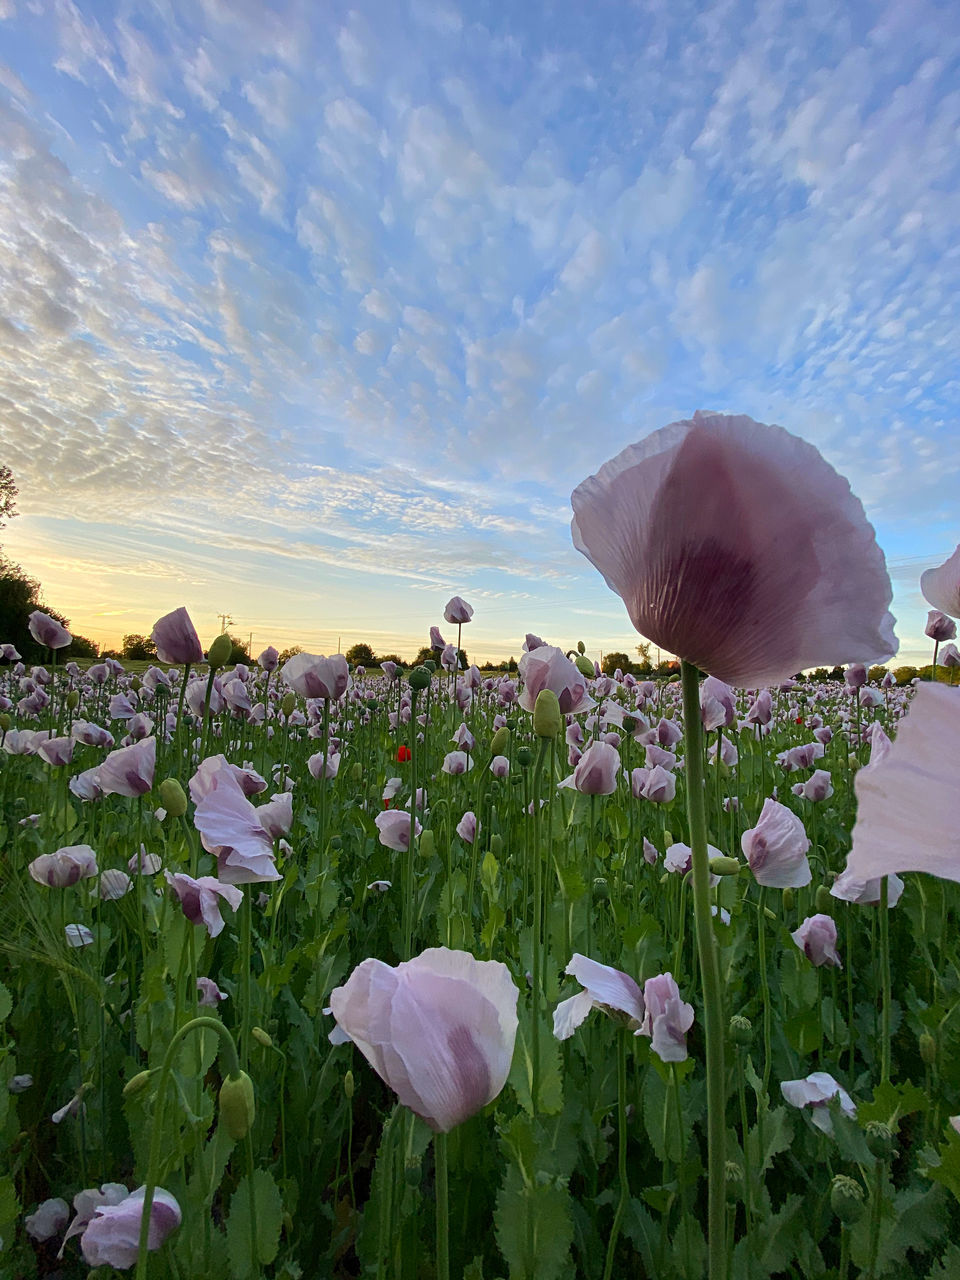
x,y
885,972
443,1207
621,1151
709,974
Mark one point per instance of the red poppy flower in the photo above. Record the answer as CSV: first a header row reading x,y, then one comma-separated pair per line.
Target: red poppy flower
x,y
386,804
799,719
403,753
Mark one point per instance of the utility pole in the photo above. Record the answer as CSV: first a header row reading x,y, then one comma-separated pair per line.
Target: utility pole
x,y
225,621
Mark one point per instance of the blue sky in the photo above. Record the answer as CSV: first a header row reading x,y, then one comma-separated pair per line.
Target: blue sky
x,y
316,314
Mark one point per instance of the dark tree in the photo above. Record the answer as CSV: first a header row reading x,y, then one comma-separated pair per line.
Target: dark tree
x,y
361,655
611,661
137,648
8,496
422,655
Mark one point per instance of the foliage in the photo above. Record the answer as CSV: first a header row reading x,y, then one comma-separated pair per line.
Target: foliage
x,y
361,655
8,495
138,648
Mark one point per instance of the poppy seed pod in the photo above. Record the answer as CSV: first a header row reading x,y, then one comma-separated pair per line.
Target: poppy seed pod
x,y
846,1199
741,1030
419,678
220,651
547,720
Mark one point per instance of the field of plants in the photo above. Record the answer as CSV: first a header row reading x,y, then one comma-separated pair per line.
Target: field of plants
x,y
421,973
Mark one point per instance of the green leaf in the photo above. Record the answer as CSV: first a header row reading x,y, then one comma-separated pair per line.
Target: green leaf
x,y
948,1267
268,1217
6,1003
777,1137
947,1170
891,1101
521,1072
643,1233
660,1118
534,1226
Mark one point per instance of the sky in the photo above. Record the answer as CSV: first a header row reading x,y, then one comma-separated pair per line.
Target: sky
x,y
315,314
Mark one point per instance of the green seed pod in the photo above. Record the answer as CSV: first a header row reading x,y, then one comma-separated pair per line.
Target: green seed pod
x,y
789,898
725,866
429,664
413,1173
823,900
733,1179
500,742
741,1030
348,1085
237,1106
73,700
336,842
846,1199
547,720
585,667
419,678
173,797
928,1049
524,757
220,652
288,702
137,1084
427,844
261,1037
601,890
881,1140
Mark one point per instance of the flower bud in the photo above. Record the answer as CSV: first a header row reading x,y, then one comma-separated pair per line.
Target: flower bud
x,y
288,702
356,773
173,797
73,700
741,1030
585,666
725,866
547,720
500,742
220,652
823,900
136,684
881,1140
5,721
348,1085
789,898
581,647
237,1106
846,1199
427,844
667,839
137,1084
419,678
496,845
928,1049
261,1037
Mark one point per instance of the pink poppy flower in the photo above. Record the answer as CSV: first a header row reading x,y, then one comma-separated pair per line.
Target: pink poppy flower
x,y
500,766
457,611
596,771
908,803
394,828
659,786
761,710
736,546
819,786
129,771
200,899
48,631
815,1092
666,1019
313,676
47,1220
269,660
276,816
718,704
456,762
817,939
549,668
114,884
176,639
318,766
467,827
941,586
230,829
65,867
113,1235
436,639
91,735
950,656
438,1029
56,751
209,995
776,848
848,888
609,990
939,627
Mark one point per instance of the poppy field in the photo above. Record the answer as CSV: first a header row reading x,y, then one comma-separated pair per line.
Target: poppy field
x,y
430,972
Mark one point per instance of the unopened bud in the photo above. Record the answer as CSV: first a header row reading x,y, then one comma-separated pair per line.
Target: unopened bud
x,y
667,839
5,721
928,1049
547,720
136,684
288,702
261,1037
220,652
500,742
496,845
237,1106
771,915
823,900
348,1085
581,647
741,1030
73,700
427,844
789,898
137,1084
585,666
173,797
725,866
846,1199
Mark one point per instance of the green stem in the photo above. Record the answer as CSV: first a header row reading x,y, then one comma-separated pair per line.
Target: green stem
x,y
709,976
443,1207
537,917
621,1151
885,970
